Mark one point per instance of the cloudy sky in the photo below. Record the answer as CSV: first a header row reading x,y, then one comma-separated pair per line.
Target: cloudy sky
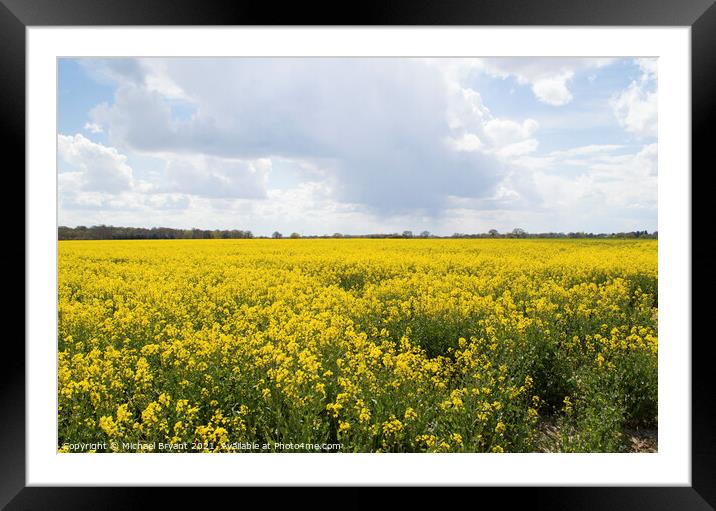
x,y
318,145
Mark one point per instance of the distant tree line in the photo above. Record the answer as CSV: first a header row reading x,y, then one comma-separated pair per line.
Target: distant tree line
x,y
521,233
492,233
109,232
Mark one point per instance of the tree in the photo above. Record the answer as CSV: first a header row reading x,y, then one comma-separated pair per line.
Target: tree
x,y
407,234
518,233
295,235
425,234
493,232
277,235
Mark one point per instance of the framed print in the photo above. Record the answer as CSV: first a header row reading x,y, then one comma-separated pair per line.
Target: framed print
x,y
434,246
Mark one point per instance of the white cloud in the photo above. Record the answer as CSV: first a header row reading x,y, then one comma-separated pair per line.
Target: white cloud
x,y
78,202
598,180
100,180
636,107
468,142
209,176
101,168
587,150
649,67
614,159
465,108
477,130
647,160
504,132
553,90
636,110
148,73
548,77
93,127
518,148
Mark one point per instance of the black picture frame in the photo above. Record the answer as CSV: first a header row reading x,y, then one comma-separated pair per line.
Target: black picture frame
x,y
700,15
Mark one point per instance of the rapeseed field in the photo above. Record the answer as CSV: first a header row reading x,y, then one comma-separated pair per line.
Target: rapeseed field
x,y
422,345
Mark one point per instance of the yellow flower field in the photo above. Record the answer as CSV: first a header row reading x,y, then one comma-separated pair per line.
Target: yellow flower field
x,y
400,345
